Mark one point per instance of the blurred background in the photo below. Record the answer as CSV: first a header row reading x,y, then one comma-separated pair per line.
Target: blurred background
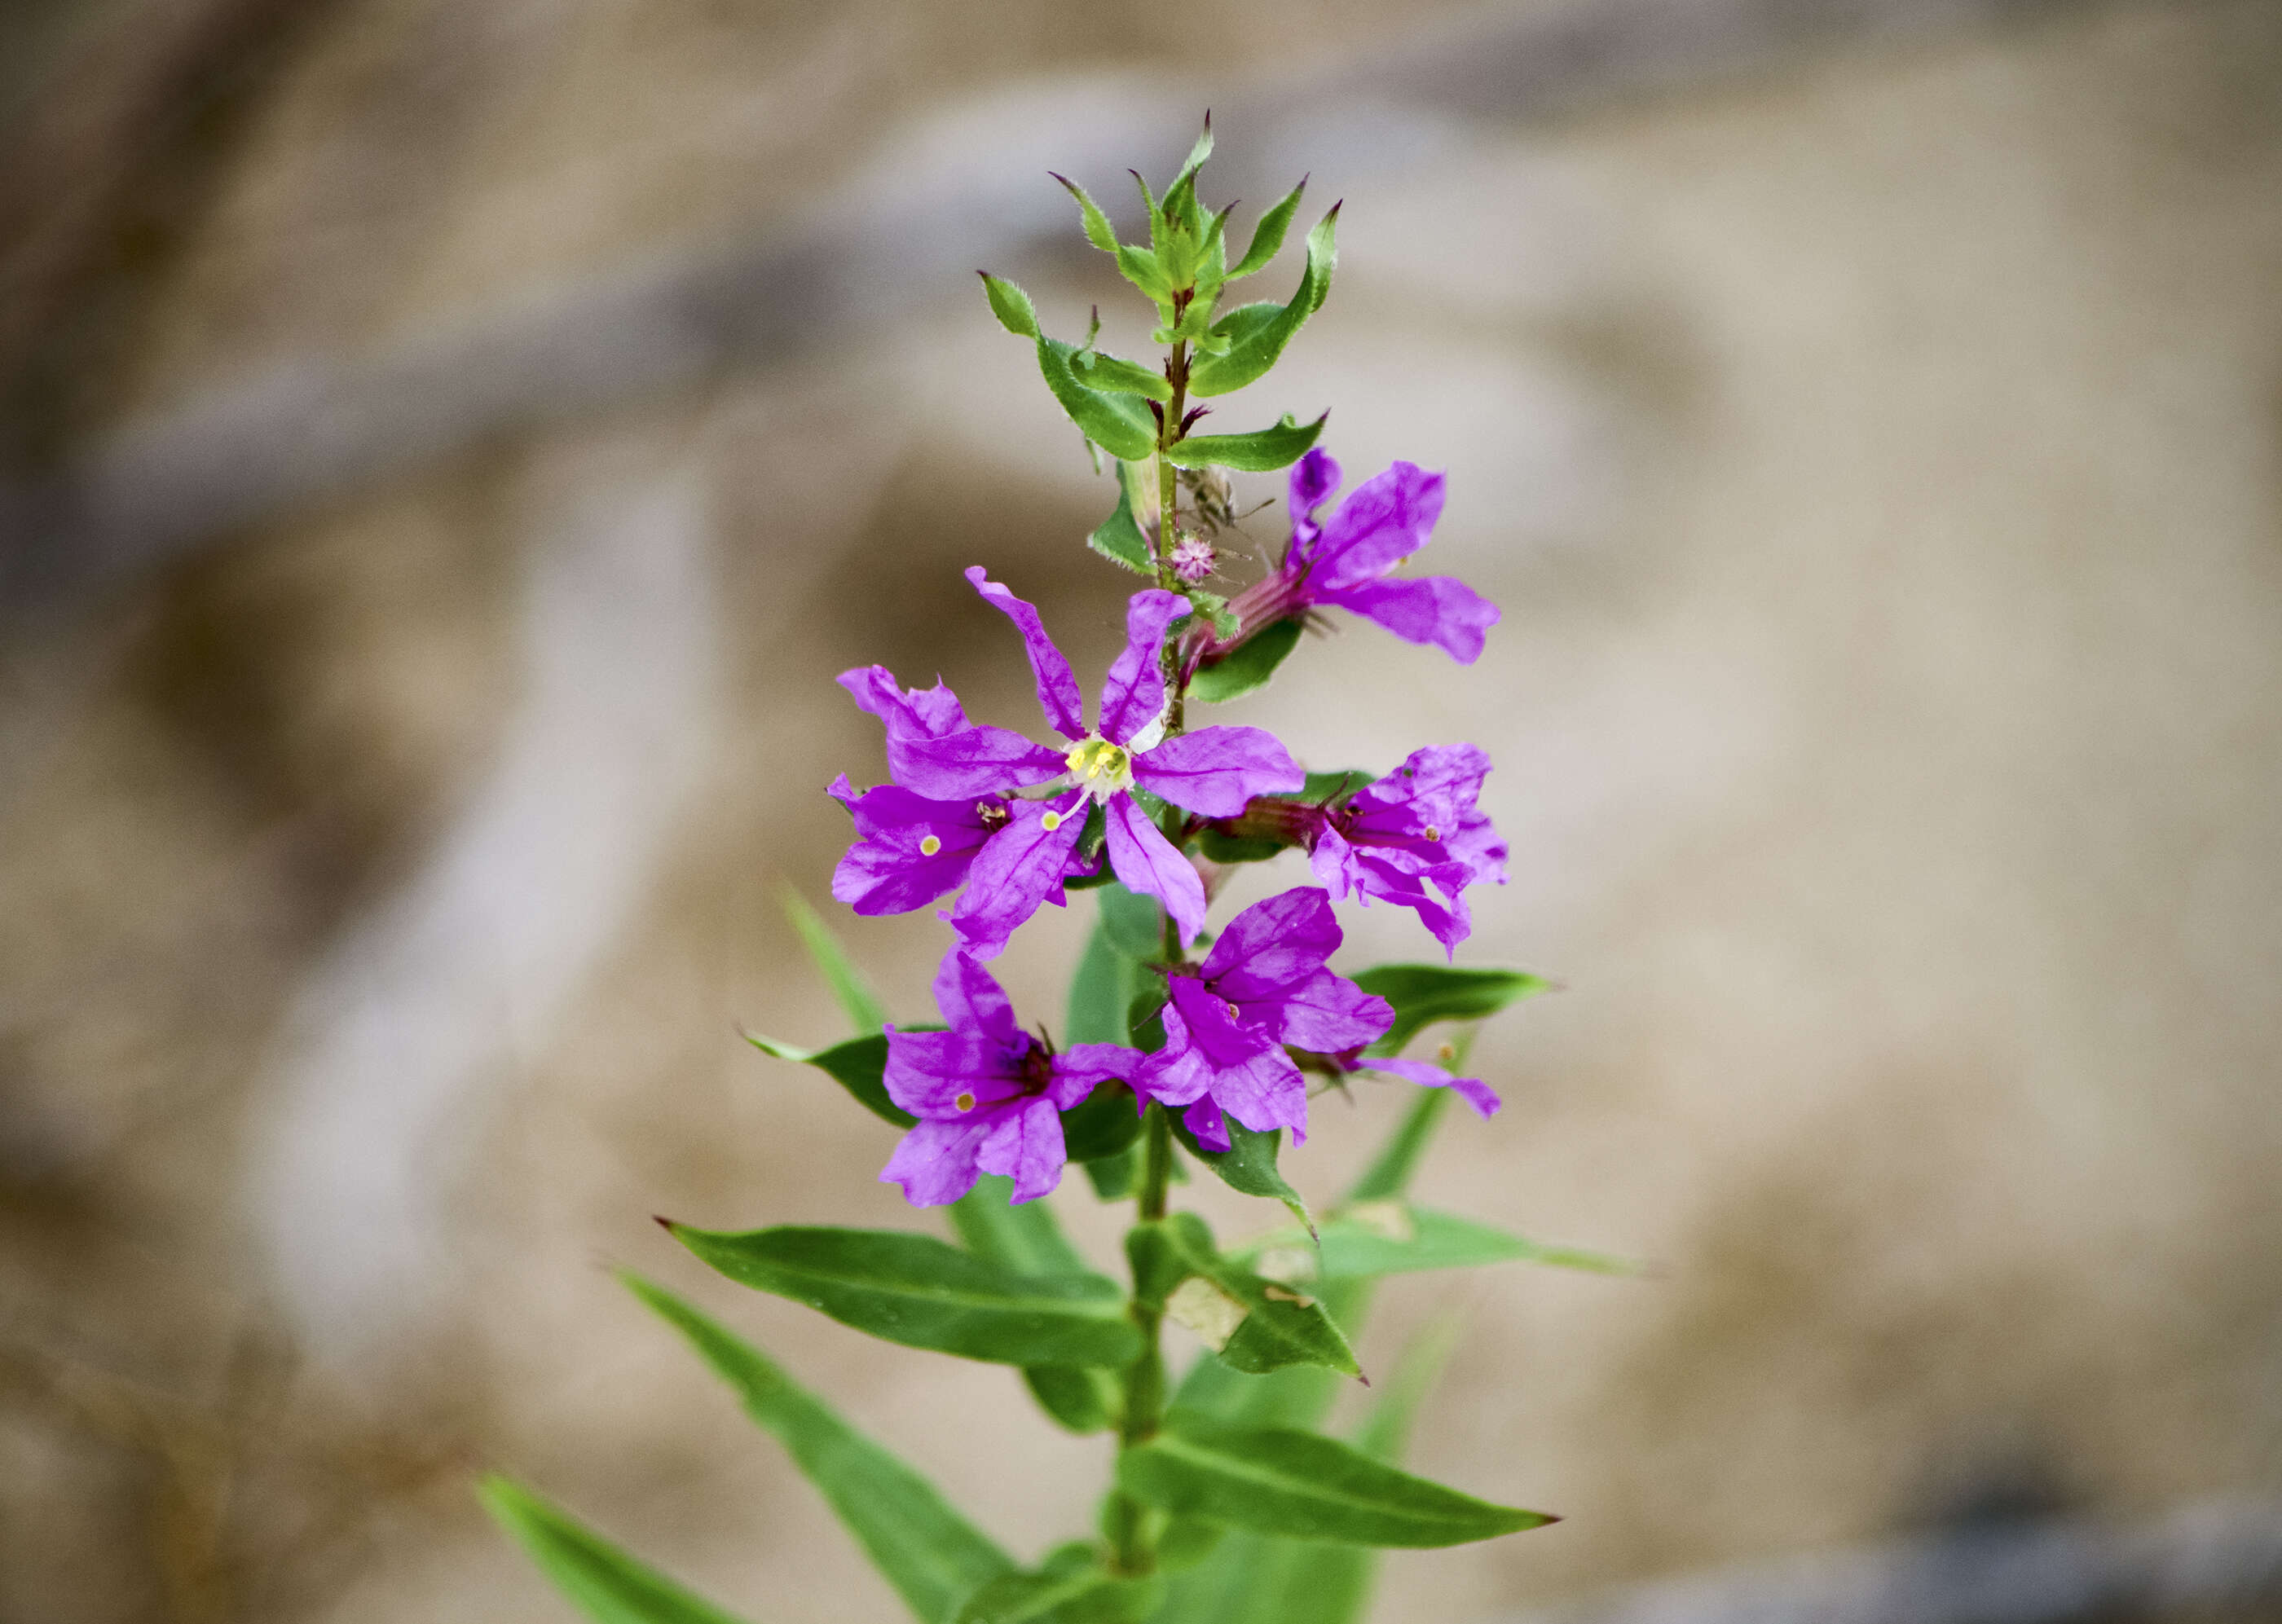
x,y
448,446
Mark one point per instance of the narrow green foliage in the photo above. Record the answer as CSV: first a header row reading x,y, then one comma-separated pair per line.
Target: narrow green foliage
x,y
1069,1587
1121,537
1113,375
1099,231
1423,993
858,1065
1366,1240
608,1586
1253,1324
1248,669
1301,1485
850,989
932,1555
1248,1164
1011,305
1257,452
1079,1398
1268,235
1117,422
1025,1239
1251,354
1102,989
1132,924
924,1293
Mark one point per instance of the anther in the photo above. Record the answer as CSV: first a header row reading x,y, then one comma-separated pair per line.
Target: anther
x,y
1433,833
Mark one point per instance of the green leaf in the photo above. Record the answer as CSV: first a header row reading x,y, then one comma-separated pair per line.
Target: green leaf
x,y
924,1293
1198,152
1423,993
1070,1587
1104,1126
1119,537
1115,1177
1133,924
1256,452
1119,423
1268,235
1222,847
609,1585
1366,1240
1023,1238
1011,305
1274,1480
1325,787
1079,1398
1114,375
1102,990
1251,353
1249,668
1144,271
852,991
1099,231
932,1555
1255,1324
1248,1164
858,1065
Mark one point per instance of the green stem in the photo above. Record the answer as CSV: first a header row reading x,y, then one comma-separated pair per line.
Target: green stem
x,y
1169,431
1131,1532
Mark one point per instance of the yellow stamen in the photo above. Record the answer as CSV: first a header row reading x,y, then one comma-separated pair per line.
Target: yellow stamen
x,y
965,1102
1100,767
929,845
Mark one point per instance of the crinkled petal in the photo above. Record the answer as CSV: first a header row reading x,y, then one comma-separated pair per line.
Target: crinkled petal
x,y
1332,860
1025,1144
1217,770
1178,1072
1135,692
920,712
1083,1067
979,761
1437,778
1441,610
972,1000
1384,520
1023,867
1275,945
927,1072
1314,477
887,872
936,1160
1263,1092
1449,922
1332,1014
1472,1090
1147,862
1216,1028
1058,694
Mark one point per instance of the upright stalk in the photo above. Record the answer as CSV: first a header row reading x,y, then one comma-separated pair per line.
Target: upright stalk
x,y
1131,1532
1169,431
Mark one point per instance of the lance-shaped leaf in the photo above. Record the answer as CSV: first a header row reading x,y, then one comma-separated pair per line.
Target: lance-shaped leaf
x,y
1268,235
1254,1324
1099,231
1070,1587
932,1555
1027,1238
1248,1164
1255,349
1256,452
608,1586
1114,375
850,989
1366,1240
858,1064
1247,671
925,1292
1274,1480
1119,423
1423,993
1011,305
1123,537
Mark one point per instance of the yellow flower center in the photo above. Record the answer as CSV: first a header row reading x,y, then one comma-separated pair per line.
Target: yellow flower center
x,y
930,844
965,1102
1100,767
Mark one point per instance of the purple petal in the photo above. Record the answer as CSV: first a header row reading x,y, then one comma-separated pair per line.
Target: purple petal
x,y
1135,692
1475,1092
1058,693
1441,610
1025,1143
1023,867
1204,1119
929,1072
1214,1028
1263,1092
935,1161
1377,876
1333,859
1440,778
1217,770
1274,945
887,872
972,1001
1178,1072
980,761
1083,1067
1384,520
922,713
1147,862
1314,477
1332,1014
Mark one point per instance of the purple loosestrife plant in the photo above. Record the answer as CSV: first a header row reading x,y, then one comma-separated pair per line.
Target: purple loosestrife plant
x,y
1176,1045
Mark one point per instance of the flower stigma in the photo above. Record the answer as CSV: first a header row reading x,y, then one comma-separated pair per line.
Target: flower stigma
x,y
929,845
1051,821
1101,769
965,1102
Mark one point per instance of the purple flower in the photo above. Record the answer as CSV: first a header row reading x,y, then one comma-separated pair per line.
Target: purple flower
x,y
1416,826
988,1094
1213,772
1264,984
1344,562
